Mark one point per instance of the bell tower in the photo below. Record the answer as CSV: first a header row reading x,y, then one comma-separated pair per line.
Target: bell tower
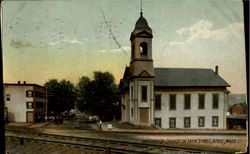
x,y
141,75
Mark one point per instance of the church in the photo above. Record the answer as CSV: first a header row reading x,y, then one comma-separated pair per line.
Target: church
x,y
169,98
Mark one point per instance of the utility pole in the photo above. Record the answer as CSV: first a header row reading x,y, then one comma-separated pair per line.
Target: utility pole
x,y
2,125
46,108
246,28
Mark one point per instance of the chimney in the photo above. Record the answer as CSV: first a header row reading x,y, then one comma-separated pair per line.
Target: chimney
x,y
24,82
217,69
18,82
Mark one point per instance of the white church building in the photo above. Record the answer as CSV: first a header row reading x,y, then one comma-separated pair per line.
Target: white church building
x,y
170,98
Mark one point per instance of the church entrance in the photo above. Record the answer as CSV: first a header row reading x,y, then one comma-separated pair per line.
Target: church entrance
x,y
144,113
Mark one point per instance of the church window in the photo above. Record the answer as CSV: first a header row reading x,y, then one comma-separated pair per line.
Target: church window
x,y
201,121
187,122
172,122
215,121
132,93
144,93
158,122
132,112
133,51
201,101
144,49
157,102
187,101
172,102
215,101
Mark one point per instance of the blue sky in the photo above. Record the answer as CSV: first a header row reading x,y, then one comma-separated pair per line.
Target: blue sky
x,y
68,39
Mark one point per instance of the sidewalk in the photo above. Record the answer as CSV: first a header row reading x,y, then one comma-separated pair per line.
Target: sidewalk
x,y
29,125
105,127
173,131
41,124
19,124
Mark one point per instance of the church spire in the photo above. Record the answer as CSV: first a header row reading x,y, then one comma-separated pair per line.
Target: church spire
x,y
141,8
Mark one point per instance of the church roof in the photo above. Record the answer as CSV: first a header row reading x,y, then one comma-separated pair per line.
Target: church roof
x,y
141,22
141,26
188,77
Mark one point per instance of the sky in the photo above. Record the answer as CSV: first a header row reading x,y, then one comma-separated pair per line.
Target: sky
x,y
61,39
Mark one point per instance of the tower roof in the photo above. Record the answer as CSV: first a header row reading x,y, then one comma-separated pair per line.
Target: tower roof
x,y
141,25
141,22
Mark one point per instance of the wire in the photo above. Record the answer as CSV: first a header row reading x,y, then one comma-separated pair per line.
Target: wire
x,y
111,33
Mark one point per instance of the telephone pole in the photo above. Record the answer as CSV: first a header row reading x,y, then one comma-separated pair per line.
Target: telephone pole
x,y
2,125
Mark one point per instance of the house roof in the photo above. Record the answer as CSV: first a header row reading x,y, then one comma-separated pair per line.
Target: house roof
x,y
27,84
243,116
124,81
188,77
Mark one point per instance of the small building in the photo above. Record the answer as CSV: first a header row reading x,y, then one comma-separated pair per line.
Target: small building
x,y
184,98
237,121
237,118
25,102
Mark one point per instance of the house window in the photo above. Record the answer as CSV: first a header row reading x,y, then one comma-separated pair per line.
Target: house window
x,y
172,122
29,93
201,101
29,105
201,121
157,102
215,121
144,93
158,122
187,101
215,101
7,97
143,49
187,122
172,102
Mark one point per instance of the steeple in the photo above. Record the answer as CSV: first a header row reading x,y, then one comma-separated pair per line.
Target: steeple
x,y
141,25
141,47
141,8
141,74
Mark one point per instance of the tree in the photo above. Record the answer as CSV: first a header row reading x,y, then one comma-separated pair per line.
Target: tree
x,y
81,93
61,96
98,96
244,106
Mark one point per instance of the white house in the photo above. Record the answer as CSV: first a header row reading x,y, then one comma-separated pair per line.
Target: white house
x,y
25,102
185,98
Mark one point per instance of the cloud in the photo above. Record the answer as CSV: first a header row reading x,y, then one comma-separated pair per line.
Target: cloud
x,y
29,44
68,41
203,29
175,43
122,49
21,44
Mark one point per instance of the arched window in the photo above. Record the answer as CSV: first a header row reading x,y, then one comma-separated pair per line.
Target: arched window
x,y
144,49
